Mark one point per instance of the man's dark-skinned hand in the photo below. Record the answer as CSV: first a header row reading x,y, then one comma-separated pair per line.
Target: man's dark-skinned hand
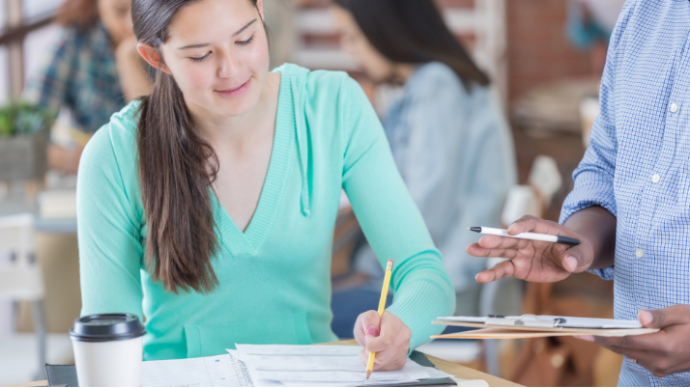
x,y
662,353
545,262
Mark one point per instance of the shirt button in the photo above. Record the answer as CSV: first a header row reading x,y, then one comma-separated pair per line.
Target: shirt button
x,y
674,107
656,178
639,253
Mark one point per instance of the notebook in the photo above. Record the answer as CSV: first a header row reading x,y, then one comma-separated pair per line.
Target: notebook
x,y
531,326
323,365
194,372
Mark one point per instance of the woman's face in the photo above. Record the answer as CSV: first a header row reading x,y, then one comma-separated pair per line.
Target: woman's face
x,y
353,42
116,16
217,52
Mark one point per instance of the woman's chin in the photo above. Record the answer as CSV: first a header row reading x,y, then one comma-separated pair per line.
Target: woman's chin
x,y
233,108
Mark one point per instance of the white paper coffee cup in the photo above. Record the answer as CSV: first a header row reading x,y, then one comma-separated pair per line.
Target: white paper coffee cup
x,y
108,350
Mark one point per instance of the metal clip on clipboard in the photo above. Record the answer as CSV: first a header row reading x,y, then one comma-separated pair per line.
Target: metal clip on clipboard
x,y
525,320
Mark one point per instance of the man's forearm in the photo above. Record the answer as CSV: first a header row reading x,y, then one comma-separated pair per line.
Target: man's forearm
x,y
598,226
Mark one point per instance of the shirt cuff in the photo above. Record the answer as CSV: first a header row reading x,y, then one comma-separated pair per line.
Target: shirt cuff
x,y
604,273
590,190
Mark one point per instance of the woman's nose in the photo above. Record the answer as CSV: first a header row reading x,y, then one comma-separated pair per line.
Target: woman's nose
x,y
227,67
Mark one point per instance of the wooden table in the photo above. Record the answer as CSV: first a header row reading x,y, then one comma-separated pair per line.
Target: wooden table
x,y
456,370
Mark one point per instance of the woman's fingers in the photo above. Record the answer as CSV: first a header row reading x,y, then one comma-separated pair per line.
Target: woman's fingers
x,y
392,335
391,344
366,326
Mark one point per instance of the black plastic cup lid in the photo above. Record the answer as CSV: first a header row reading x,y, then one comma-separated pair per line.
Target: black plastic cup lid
x,y
106,327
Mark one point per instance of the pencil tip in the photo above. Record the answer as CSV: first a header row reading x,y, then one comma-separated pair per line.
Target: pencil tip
x,y
368,374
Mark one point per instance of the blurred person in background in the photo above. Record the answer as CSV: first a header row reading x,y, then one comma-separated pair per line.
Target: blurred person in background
x,y
447,132
93,70
589,27
280,22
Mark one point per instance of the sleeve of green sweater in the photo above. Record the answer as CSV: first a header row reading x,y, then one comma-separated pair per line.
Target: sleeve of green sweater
x,y
391,221
110,250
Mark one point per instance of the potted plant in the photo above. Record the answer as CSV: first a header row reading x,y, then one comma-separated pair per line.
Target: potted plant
x,y
24,136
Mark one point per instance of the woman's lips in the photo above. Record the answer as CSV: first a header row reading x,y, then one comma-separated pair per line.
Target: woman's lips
x,y
235,92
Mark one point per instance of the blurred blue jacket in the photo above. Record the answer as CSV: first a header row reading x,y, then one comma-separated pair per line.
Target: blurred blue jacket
x,y
455,153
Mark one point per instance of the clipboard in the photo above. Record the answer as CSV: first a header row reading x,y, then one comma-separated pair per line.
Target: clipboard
x,y
533,326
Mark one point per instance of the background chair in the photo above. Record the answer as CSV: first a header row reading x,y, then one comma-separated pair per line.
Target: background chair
x,y
21,280
505,297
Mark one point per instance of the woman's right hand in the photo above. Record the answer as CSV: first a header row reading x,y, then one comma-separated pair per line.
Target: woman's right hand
x,y
533,261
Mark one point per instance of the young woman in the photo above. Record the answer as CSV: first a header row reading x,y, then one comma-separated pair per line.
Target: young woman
x,y
93,69
449,139
209,206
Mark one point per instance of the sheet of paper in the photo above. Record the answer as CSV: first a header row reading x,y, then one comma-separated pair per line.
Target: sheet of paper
x,y
596,323
191,372
332,376
306,363
318,366
298,350
470,383
568,322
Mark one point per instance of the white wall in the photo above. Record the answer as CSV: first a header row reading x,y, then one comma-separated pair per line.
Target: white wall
x,y
35,45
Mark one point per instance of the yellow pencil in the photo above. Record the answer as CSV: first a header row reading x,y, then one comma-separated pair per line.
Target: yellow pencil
x,y
382,307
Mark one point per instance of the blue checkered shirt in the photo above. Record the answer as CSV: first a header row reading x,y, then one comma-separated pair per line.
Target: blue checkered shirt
x,y
638,165
80,74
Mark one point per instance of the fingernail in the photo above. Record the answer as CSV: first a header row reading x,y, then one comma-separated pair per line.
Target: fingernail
x,y
588,338
645,317
570,263
373,331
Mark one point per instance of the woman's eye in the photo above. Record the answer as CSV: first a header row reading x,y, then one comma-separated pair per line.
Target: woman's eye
x,y
246,42
199,59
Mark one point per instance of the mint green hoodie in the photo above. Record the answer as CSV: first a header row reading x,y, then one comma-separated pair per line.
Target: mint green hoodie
x,y
275,285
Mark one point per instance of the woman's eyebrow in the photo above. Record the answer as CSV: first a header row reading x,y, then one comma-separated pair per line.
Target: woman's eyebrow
x,y
199,45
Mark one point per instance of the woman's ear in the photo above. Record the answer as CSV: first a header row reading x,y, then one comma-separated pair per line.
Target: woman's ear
x,y
152,56
260,7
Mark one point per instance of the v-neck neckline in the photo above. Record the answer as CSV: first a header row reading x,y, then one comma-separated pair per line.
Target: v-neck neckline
x,y
249,242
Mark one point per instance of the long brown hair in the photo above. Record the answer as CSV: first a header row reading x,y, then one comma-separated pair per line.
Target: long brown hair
x,y
176,169
78,13
413,31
